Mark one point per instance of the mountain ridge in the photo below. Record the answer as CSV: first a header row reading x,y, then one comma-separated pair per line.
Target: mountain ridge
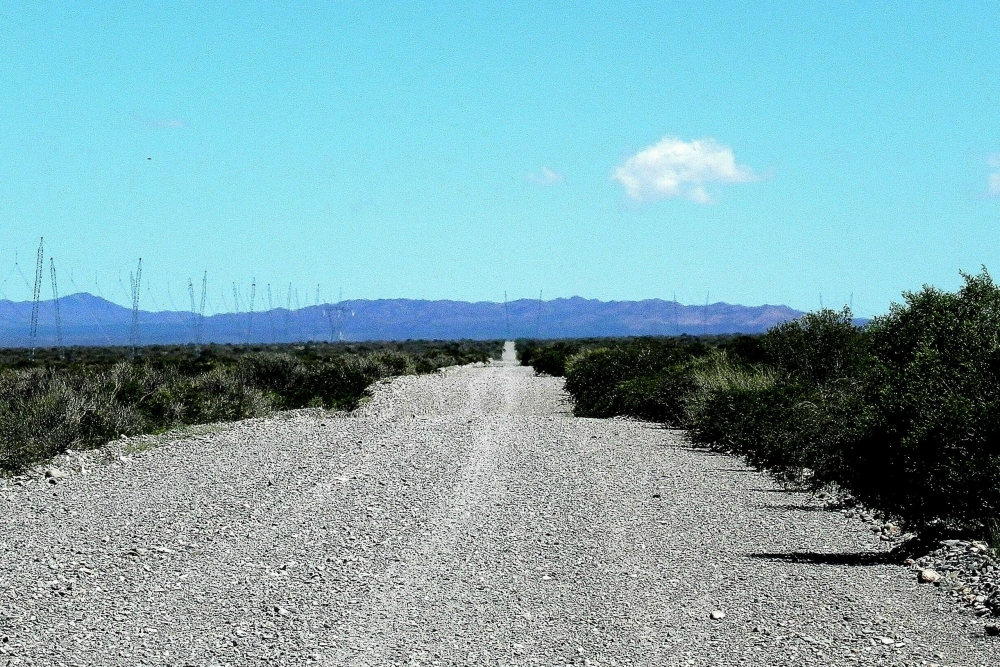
x,y
93,320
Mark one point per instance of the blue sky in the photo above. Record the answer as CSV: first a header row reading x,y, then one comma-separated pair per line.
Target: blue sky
x,y
754,152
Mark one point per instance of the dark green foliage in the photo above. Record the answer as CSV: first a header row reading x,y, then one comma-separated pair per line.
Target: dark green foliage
x,y
904,413
191,359
655,398
794,412
932,440
645,378
547,358
795,430
550,356
76,404
816,348
741,347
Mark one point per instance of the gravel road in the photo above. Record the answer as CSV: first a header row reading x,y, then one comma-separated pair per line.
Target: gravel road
x,y
461,518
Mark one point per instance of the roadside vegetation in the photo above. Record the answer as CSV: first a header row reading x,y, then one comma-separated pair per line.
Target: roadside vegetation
x,y
80,398
903,413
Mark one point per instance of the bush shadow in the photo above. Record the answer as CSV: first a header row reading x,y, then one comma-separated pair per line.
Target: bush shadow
x,y
801,508
861,559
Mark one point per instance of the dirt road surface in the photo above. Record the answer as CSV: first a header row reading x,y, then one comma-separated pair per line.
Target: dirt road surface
x,y
461,518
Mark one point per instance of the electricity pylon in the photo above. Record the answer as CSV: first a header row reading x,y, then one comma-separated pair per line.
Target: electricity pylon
x,y
136,283
37,294
55,301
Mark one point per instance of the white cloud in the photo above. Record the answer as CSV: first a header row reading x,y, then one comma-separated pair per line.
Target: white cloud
x,y
545,177
993,180
676,168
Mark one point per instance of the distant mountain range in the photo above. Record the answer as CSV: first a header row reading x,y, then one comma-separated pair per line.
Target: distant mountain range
x,y
91,320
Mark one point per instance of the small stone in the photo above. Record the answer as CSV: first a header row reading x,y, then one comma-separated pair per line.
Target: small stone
x,y
929,576
281,611
717,615
54,474
886,640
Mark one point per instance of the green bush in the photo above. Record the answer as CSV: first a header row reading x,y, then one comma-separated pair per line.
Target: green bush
x,y
931,447
816,348
270,372
649,379
44,411
39,416
660,397
549,358
215,396
904,413
797,431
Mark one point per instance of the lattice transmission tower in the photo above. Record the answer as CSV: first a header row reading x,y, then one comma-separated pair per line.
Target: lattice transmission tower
x,y
136,282
37,294
55,302
201,310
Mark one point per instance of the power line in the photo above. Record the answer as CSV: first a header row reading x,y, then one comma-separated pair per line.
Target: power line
x,y
677,323
538,319
201,310
37,295
194,309
288,311
270,312
506,317
55,301
704,319
136,282
90,311
253,294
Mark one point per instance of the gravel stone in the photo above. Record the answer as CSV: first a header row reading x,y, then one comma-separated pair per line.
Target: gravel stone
x,y
459,518
929,576
971,574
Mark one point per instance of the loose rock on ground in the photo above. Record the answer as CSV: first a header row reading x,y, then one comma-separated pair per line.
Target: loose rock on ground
x,y
461,518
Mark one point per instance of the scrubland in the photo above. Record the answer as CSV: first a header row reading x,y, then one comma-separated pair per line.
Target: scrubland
x,y
901,415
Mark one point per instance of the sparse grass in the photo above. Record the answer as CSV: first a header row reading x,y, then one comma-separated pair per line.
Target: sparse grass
x,y
993,535
903,414
94,395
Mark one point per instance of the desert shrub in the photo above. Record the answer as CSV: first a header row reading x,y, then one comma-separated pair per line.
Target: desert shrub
x,y
339,383
39,416
743,348
216,396
795,412
661,397
797,431
394,363
903,413
816,348
641,378
592,377
430,363
44,411
548,358
931,446
269,371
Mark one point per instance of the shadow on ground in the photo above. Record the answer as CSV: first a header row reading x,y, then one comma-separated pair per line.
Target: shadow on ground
x,y
862,558
801,508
